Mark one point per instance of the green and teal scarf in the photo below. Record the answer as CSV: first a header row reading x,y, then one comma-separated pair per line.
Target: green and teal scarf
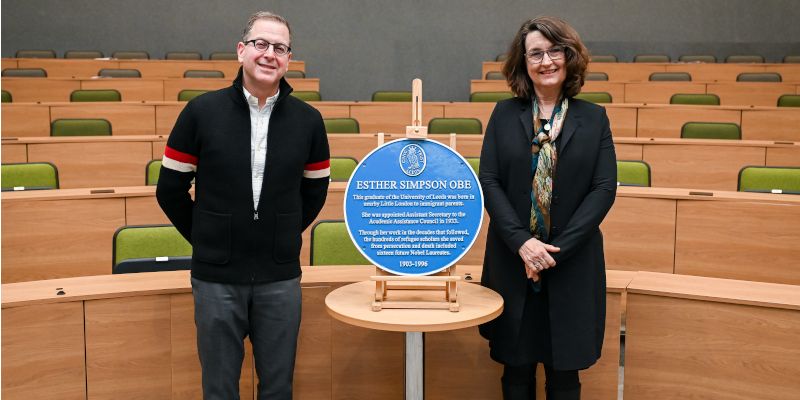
x,y
543,166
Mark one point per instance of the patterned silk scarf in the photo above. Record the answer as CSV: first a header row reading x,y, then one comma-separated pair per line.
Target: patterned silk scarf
x,y
543,166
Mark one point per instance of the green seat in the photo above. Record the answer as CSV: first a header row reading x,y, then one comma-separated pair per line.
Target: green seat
x,y
307,95
787,100
389,95
342,168
703,58
758,77
7,98
331,245
489,97
745,59
35,54
495,76
791,59
711,130
770,179
24,73
475,163
83,54
183,55
633,173
341,125
95,95
292,74
671,77
455,125
651,58
223,55
152,172
131,55
149,248
188,94
698,99
203,73
501,57
595,97
119,73
596,76
29,176
80,127
607,58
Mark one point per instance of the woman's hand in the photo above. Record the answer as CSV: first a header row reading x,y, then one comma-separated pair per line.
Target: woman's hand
x,y
537,258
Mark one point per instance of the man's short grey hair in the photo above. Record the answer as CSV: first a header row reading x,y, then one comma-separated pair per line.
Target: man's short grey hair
x,y
268,16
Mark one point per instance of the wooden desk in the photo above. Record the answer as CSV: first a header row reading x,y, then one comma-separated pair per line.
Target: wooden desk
x,y
131,89
701,72
694,337
149,320
69,68
763,94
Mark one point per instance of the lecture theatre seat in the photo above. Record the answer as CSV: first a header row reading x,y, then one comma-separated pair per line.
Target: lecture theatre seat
x,y
331,245
149,248
767,179
455,125
29,176
341,125
633,173
711,130
80,127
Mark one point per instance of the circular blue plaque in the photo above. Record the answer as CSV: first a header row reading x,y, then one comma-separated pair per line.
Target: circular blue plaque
x,y
413,207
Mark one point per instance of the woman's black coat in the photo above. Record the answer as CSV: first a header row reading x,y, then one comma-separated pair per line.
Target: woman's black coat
x,y
584,188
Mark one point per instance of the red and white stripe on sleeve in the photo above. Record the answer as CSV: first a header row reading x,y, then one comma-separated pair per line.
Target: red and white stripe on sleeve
x,y
321,169
179,161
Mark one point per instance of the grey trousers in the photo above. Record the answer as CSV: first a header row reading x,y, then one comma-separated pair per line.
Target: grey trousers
x,y
225,314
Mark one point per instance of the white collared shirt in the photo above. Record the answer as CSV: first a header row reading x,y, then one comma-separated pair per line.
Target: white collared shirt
x,y
259,127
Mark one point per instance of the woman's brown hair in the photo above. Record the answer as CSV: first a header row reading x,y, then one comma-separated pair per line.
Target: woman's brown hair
x,y
560,34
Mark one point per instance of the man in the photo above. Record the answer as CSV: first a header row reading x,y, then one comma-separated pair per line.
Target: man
x,y
260,161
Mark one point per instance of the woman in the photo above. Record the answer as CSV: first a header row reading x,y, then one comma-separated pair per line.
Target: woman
x,y
548,172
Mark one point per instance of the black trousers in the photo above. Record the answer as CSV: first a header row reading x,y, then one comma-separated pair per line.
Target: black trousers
x,y
225,314
525,376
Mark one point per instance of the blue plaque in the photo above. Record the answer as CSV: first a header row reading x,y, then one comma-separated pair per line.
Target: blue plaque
x,y
413,207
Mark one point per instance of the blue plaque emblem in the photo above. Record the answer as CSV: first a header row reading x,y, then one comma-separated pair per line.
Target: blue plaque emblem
x,y
412,160
413,207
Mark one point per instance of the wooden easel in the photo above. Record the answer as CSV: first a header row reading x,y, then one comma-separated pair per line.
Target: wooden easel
x,y
445,281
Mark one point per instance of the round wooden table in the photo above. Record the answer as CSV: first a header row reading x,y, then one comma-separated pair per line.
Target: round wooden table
x,y
352,304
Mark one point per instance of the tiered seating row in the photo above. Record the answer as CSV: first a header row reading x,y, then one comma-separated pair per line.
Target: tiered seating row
x,y
68,232
763,94
629,120
130,89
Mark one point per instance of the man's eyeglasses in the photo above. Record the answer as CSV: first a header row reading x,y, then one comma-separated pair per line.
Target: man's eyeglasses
x,y
536,56
262,45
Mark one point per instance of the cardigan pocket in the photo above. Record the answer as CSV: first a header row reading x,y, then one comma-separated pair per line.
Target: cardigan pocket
x,y
211,237
287,237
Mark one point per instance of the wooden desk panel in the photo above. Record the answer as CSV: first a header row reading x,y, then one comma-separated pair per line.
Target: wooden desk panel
x,y
312,372
682,348
781,124
639,234
601,381
158,148
59,238
95,164
615,89
353,145
659,92
33,90
170,68
627,72
43,352
783,156
172,87
390,117
144,210
751,93
166,116
125,119
721,72
479,110
25,120
8,63
331,110
627,151
446,358
667,121
623,120
333,209
68,68
14,153
733,240
128,343
698,166
131,89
